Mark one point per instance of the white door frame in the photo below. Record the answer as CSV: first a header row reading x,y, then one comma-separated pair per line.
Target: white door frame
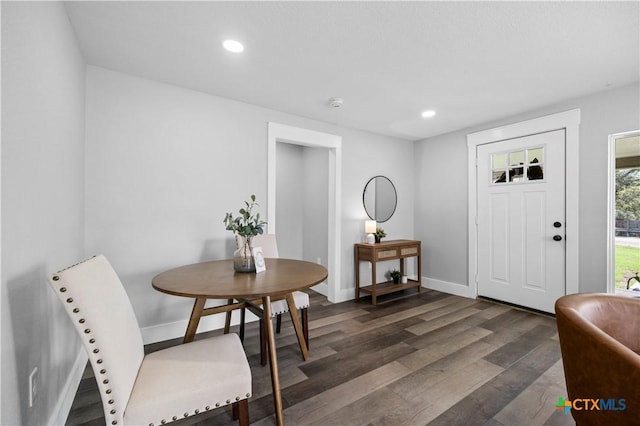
x,y
568,120
298,136
611,210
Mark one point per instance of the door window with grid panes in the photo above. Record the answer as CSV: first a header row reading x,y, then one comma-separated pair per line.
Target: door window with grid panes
x,y
518,166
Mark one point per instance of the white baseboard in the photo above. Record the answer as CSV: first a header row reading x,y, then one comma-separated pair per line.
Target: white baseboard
x,y
462,290
444,286
172,330
448,287
322,288
344,294
63,406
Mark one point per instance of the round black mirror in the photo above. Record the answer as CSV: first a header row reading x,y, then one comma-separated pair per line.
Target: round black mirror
x,y
379,198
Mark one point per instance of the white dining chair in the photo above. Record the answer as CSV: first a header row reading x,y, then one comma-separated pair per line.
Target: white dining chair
x,y
154,389
269,247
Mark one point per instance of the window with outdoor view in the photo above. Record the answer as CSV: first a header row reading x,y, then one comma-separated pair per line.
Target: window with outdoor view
x,y
627,213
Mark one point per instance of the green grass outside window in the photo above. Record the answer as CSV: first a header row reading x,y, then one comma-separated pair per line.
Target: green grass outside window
x,y
627,264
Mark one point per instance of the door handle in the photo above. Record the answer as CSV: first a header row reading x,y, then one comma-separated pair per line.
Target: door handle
x,y
557,224
557,238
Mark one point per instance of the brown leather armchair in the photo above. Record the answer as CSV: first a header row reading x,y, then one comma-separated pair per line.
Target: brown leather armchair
x,y
600,343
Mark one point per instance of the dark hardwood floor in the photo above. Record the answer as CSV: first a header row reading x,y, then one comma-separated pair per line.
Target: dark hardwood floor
x,y
431,359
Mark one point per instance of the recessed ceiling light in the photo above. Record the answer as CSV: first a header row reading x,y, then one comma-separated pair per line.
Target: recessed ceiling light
x,y
233,46
336,102
428,113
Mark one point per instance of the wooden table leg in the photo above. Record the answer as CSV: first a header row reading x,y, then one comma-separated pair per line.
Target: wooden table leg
x,y
356,262
194,320
273,361
374,296
295,319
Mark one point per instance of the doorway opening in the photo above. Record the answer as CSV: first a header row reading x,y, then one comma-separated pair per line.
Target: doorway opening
x,y
328,199
624,214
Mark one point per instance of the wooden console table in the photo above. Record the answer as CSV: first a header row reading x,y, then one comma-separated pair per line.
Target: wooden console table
x,y
386,250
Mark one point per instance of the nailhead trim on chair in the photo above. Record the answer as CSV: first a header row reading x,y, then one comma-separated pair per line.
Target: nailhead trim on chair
x,y
92,341
198,411
206,408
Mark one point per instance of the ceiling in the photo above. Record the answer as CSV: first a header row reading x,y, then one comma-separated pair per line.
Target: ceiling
x,y
472,62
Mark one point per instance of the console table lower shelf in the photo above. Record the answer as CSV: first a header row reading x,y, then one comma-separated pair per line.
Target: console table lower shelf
x,y
387,250
389,287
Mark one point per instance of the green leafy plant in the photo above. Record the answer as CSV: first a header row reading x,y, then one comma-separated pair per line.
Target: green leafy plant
x,y
246,225
379,234
395,275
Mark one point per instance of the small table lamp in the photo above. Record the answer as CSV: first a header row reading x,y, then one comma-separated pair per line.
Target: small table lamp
x,y
370,229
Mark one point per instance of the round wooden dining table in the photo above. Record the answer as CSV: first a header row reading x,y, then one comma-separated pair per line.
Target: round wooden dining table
x,y
218,280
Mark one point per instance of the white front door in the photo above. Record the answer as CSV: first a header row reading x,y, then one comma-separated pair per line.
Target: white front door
x,y
521,220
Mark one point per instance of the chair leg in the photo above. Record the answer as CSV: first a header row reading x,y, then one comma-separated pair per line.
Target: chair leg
x,y
263,343
278,322
240,412
305,325
227,320
242,316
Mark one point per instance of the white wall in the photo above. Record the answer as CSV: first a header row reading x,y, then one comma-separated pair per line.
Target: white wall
x,y
314,200
42,203
441,187
302,209
164,164
290,187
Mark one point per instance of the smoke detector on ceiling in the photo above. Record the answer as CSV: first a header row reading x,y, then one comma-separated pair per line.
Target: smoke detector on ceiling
x,y
336,102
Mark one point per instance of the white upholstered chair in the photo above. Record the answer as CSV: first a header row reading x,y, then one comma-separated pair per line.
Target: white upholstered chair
x,y
278,307
158,388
